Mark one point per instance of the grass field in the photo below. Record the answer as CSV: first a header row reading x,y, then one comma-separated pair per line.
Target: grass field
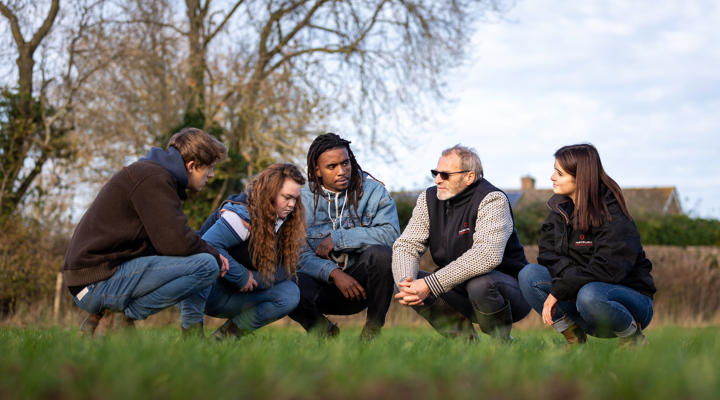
x,y
404,363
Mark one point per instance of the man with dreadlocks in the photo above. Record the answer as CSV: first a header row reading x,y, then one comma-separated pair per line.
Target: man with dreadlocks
x,y
260,232
351,224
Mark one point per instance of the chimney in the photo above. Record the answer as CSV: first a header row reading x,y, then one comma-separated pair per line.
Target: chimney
x,y
527,182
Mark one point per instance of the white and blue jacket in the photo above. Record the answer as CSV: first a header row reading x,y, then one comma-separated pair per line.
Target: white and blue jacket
x,y
228,230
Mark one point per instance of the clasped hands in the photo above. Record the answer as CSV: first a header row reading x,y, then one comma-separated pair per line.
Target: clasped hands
x,y
413,292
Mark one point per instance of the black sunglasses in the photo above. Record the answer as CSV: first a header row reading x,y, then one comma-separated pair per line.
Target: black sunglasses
x,y
445,175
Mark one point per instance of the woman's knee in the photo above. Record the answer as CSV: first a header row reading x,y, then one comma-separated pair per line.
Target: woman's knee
x,y
590,296
531,274
287,297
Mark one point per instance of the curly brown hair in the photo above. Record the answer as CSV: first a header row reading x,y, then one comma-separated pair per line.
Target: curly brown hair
x,y
268,249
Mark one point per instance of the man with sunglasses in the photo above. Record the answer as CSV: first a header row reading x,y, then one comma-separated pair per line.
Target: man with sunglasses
x,y
467,224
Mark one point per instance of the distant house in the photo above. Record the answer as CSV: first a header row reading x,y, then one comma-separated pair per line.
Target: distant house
x,y
640,201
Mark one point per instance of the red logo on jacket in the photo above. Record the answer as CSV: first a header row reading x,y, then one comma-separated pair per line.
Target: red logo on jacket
x,y
464,229
582,242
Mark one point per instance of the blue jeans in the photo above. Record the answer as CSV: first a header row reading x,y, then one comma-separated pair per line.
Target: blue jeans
x,y
249,311
146,285
601,309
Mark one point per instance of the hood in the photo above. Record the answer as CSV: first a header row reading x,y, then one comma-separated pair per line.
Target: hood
x,y
172,161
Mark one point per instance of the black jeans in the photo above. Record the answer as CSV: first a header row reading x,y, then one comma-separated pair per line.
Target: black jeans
x,y
486,294
372,270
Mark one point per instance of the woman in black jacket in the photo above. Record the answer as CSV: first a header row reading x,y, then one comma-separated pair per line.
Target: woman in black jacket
x,y
594,276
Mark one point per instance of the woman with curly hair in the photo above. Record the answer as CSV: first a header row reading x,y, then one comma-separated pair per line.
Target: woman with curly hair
x,y
260,232
594,277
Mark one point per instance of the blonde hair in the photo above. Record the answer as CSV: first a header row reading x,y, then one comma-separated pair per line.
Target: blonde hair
x,y
197,145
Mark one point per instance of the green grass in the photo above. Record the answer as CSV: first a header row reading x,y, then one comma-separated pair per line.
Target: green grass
x,y
280,363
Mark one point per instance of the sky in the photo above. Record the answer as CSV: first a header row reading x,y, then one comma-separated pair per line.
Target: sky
x,y
640,80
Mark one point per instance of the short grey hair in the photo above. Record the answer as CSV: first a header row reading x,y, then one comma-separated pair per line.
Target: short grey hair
x,y
469,160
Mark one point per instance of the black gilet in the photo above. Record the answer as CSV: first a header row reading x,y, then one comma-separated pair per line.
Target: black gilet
x,y
452,225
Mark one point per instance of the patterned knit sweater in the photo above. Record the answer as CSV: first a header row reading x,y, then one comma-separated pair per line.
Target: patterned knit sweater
x,y
492,229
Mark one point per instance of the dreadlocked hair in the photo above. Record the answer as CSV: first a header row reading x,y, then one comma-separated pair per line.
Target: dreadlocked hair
x,y
268,249
320,145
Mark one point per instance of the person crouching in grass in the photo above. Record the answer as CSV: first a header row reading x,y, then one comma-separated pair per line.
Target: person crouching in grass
x,y
260,231
132,251
594,277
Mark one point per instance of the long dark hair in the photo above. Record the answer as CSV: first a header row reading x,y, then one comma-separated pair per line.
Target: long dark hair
x,y
582,161
268,250
322,144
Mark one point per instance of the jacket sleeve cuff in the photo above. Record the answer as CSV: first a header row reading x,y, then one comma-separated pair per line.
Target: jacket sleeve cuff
x,y
338,240
434,284
559,293
319,270
326,269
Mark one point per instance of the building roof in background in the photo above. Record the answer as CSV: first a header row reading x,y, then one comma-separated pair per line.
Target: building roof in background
x,y
640,201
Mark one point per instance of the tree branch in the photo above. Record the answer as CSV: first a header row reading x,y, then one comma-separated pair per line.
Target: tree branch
x,y
148,22
303,23
29,178
45,27
14,25
222,24
347,49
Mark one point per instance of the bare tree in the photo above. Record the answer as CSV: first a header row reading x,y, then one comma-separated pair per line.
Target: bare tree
x,y
265,75
289,65
38,126
22,134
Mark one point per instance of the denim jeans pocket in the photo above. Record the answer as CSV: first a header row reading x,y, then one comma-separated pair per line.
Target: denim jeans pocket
x,y
88,300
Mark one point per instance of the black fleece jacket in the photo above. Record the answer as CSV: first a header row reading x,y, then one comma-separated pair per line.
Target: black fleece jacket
x,y
609,253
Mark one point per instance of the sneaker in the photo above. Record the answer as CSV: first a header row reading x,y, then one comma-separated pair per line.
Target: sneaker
x,y
574,335
193,331
124,322
104,325
636,339
324,328
90,324
229,330
370,331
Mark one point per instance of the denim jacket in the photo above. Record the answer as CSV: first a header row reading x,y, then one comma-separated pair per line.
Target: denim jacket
x,y
221,234
379,226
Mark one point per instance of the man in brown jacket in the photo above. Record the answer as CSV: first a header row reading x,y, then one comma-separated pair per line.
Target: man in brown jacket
x,y
132,251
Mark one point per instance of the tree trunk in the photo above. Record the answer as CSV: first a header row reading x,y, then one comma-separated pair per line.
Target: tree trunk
x,y
24,128
197,58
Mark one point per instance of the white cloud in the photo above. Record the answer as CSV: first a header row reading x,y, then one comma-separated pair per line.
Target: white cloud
x,y
638,79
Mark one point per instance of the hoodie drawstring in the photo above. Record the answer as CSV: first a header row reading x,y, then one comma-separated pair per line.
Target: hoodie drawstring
x,y
338,217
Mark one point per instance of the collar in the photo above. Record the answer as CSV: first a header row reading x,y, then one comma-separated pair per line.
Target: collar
x,y
463,197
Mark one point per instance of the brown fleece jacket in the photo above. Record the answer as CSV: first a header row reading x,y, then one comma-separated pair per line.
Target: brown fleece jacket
x,y
137,213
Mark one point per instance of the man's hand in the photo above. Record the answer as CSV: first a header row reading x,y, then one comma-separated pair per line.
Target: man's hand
x,y
412,292
549,309
250,285
325,247
224,267
349,287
